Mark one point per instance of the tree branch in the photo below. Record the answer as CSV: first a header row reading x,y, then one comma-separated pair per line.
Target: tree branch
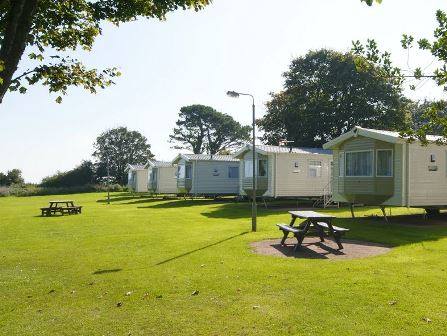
x,y
23,75
18,26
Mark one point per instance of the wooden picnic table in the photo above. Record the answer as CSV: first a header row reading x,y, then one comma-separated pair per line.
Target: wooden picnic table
x,y
62,207
320,222
56,203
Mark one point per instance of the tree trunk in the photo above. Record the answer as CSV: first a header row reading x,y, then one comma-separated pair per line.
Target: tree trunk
x,y
18,26
197,146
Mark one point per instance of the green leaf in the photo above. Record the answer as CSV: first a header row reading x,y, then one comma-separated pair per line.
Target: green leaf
x,y
418,73
407,41
370,2
424,44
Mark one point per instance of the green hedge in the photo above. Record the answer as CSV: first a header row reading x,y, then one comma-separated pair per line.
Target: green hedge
x,y
33,190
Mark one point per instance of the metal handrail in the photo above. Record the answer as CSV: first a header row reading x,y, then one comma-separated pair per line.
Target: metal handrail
x,y
327,194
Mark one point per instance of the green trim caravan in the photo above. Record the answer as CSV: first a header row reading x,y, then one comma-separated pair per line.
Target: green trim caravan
x,y
285,171
211,175
376,167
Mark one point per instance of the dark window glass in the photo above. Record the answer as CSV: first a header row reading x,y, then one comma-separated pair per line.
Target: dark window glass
x,y
233,172
262,168
188,170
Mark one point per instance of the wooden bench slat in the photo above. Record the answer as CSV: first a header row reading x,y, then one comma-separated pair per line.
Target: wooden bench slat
x,y
288,228
336,228
47,211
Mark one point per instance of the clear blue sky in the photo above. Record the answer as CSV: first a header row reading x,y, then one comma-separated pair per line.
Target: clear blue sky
x,y
195,58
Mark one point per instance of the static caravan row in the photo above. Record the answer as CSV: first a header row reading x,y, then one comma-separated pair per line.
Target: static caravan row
x,y
194,174
155,176
280,172
367,166
377,167
285,172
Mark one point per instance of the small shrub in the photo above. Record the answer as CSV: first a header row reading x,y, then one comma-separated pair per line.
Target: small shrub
x,y
4,191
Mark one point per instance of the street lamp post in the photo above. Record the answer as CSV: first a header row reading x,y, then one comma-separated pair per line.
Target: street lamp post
x,y
107,151
235,94
108,180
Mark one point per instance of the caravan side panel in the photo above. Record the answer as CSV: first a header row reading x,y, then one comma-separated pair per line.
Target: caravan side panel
x,y
271,173
141,181
167,180
212,177
241,177
293,178
428,175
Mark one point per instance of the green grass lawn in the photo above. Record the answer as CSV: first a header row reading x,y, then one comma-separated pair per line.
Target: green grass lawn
x,y
66,275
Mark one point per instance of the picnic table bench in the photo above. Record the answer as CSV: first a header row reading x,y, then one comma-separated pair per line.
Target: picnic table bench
x,y
321,223
62,207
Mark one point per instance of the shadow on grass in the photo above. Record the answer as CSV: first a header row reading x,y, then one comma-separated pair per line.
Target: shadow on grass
x,y
238,211
417,220
124,197
306,252
114,270
119,194
116,199
143,201
395,233
200,249
181,203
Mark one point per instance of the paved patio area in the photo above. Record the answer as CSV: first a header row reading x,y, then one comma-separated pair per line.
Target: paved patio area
x,y
312,248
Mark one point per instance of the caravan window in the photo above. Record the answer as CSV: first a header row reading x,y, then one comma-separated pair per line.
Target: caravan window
x,y
262,168
233,172
315,168
248,168
188,172
359,163
153,177
181,172
384,167
341,164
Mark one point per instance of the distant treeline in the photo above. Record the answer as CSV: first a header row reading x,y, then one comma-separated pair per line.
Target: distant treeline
x,y
11,177
84,174
81,179
35,190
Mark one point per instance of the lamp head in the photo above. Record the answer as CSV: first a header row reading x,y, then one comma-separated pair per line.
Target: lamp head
x,y
233,94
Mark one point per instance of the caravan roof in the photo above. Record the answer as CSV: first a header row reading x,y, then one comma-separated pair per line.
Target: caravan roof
x,y
204,157
135,167
158,164
267,149
386,136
